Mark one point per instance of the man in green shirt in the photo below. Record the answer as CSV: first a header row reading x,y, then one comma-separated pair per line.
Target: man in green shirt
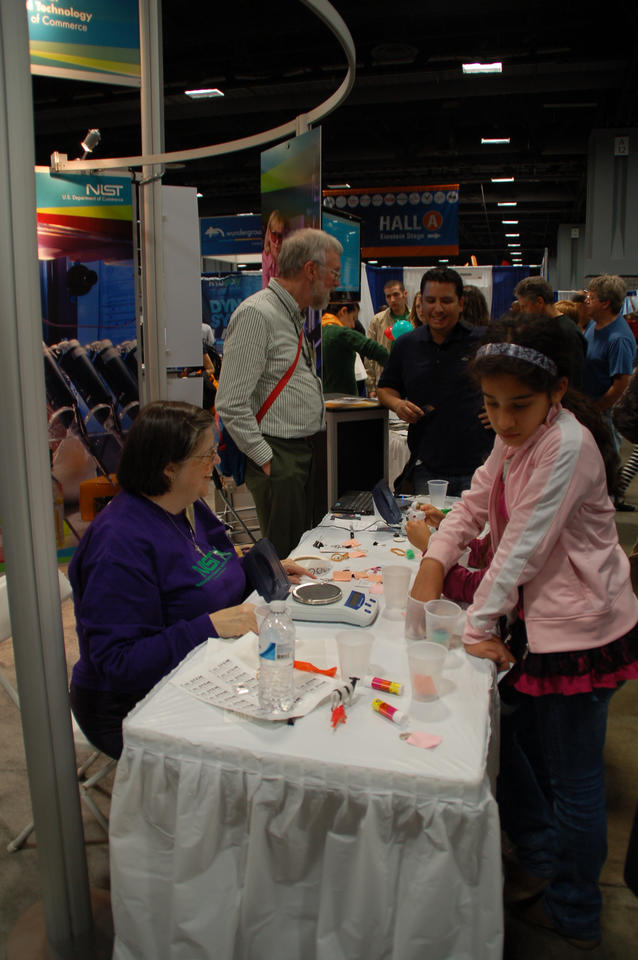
x,y
340,342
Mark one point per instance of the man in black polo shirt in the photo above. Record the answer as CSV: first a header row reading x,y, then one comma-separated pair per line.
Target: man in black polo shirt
x,y
425,383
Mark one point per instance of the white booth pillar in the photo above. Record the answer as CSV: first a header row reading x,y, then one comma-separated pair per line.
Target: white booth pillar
x,y
27,520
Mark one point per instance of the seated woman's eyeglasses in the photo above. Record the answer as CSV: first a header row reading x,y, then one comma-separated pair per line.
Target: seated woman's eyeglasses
x,y
204,457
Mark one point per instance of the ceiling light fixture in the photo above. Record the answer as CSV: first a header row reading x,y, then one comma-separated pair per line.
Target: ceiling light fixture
x,y
443,261
91,141
198,194
204,93
488,141
373,261
338,186
502,179
513,235
507,203
509,221
496,67
513,244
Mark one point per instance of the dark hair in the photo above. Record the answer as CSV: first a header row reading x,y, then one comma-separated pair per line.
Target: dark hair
x,y
475,309
393,283
542,334
443,275
529,288
163,432
336,305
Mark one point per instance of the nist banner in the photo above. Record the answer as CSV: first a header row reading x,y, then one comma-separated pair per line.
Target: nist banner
x,y
403,221
93,40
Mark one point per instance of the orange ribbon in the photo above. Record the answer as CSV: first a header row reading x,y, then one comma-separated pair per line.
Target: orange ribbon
x,y
310,668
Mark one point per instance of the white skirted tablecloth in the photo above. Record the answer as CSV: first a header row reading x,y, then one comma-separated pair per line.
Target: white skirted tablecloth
x,y
237,840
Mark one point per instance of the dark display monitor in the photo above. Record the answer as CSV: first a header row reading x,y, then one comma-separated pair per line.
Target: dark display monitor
x,y
347,230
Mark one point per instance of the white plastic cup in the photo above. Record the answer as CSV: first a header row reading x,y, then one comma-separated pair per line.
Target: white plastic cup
x,y
437,490
426,662
441,620
415,619
396,583
355,647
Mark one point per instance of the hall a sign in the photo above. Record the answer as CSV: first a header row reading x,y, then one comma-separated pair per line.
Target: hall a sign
x,y
403,221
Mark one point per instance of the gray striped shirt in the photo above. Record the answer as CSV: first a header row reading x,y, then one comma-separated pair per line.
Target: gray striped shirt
x,y
261,344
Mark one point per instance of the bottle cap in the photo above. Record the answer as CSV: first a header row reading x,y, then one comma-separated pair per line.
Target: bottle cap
x,y
277,606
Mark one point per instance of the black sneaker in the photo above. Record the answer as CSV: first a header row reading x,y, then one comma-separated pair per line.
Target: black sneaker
x,y
624,507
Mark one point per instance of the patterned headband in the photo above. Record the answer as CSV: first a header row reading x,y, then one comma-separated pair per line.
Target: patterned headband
x,y
519,353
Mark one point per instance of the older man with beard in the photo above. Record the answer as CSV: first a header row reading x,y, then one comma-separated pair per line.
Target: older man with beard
x,y
268,363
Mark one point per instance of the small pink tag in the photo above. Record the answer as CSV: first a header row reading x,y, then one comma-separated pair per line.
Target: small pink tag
x,y
376,588
375,577
423,740
352,543
341,575
355,554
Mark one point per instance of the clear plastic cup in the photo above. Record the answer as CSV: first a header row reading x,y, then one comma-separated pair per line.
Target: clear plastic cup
x,y
441,621
355,647
437,490
426,662
415,619
396,583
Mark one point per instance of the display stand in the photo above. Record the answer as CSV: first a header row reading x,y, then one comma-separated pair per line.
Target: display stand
x,y
353,452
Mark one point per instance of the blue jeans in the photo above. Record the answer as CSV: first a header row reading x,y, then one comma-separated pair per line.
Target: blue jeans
x,y
551,795
455,487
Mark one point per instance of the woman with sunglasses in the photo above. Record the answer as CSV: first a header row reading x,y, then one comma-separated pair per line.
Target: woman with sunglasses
x,y
155,574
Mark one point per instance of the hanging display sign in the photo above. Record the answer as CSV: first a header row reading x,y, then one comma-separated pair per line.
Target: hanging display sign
x,y
403,221
97,40
85,249
238,235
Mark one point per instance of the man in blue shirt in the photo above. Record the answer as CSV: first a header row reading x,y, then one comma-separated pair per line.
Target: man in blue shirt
x,y
611,346
425,383
611,349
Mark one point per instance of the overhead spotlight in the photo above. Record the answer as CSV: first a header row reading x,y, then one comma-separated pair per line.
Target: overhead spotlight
x,y
507,203
91,141
502,179
198,194
485,141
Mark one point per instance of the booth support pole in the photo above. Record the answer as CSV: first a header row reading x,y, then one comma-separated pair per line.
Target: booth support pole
x,y
27,519
153,381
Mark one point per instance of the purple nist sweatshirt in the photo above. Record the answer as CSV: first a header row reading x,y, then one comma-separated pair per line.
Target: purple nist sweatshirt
x,y
143,593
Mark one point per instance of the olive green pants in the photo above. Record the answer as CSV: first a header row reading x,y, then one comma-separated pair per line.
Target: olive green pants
x,y
284,500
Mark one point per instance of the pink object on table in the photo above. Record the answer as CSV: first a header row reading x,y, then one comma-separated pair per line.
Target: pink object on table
x,y
351,543
376,588
355,554
424,740
341,575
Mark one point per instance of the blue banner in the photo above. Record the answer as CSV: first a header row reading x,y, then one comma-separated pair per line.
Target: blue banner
x,y
403,221
98,40
221,295
230,235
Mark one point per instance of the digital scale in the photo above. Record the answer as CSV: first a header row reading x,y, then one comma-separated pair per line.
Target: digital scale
x,y
327,603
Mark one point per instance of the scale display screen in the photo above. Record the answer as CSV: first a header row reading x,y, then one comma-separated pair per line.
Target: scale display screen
x,y
355,600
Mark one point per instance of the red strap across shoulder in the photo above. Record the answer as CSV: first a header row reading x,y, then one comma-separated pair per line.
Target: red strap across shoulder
x,y
270,399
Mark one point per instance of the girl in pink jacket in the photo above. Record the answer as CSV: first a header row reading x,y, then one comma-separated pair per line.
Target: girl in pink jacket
x,y
560,581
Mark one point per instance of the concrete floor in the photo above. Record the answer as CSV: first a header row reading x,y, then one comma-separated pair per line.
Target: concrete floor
x,y
19,873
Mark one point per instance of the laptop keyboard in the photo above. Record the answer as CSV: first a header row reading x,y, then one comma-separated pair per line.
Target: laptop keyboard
x,y
355,501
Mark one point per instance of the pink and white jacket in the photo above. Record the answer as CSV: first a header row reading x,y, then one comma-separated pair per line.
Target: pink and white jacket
x,y
560,543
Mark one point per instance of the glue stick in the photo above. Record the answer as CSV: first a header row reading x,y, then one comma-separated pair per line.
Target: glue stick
x,y
387,686
390,713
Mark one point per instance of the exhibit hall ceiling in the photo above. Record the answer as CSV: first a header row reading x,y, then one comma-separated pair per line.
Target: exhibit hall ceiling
x,y
413,117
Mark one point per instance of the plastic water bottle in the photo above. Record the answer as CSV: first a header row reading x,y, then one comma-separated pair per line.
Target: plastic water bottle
x,y
276,660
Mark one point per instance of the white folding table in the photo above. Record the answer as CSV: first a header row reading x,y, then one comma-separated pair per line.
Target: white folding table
x,y
254,841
